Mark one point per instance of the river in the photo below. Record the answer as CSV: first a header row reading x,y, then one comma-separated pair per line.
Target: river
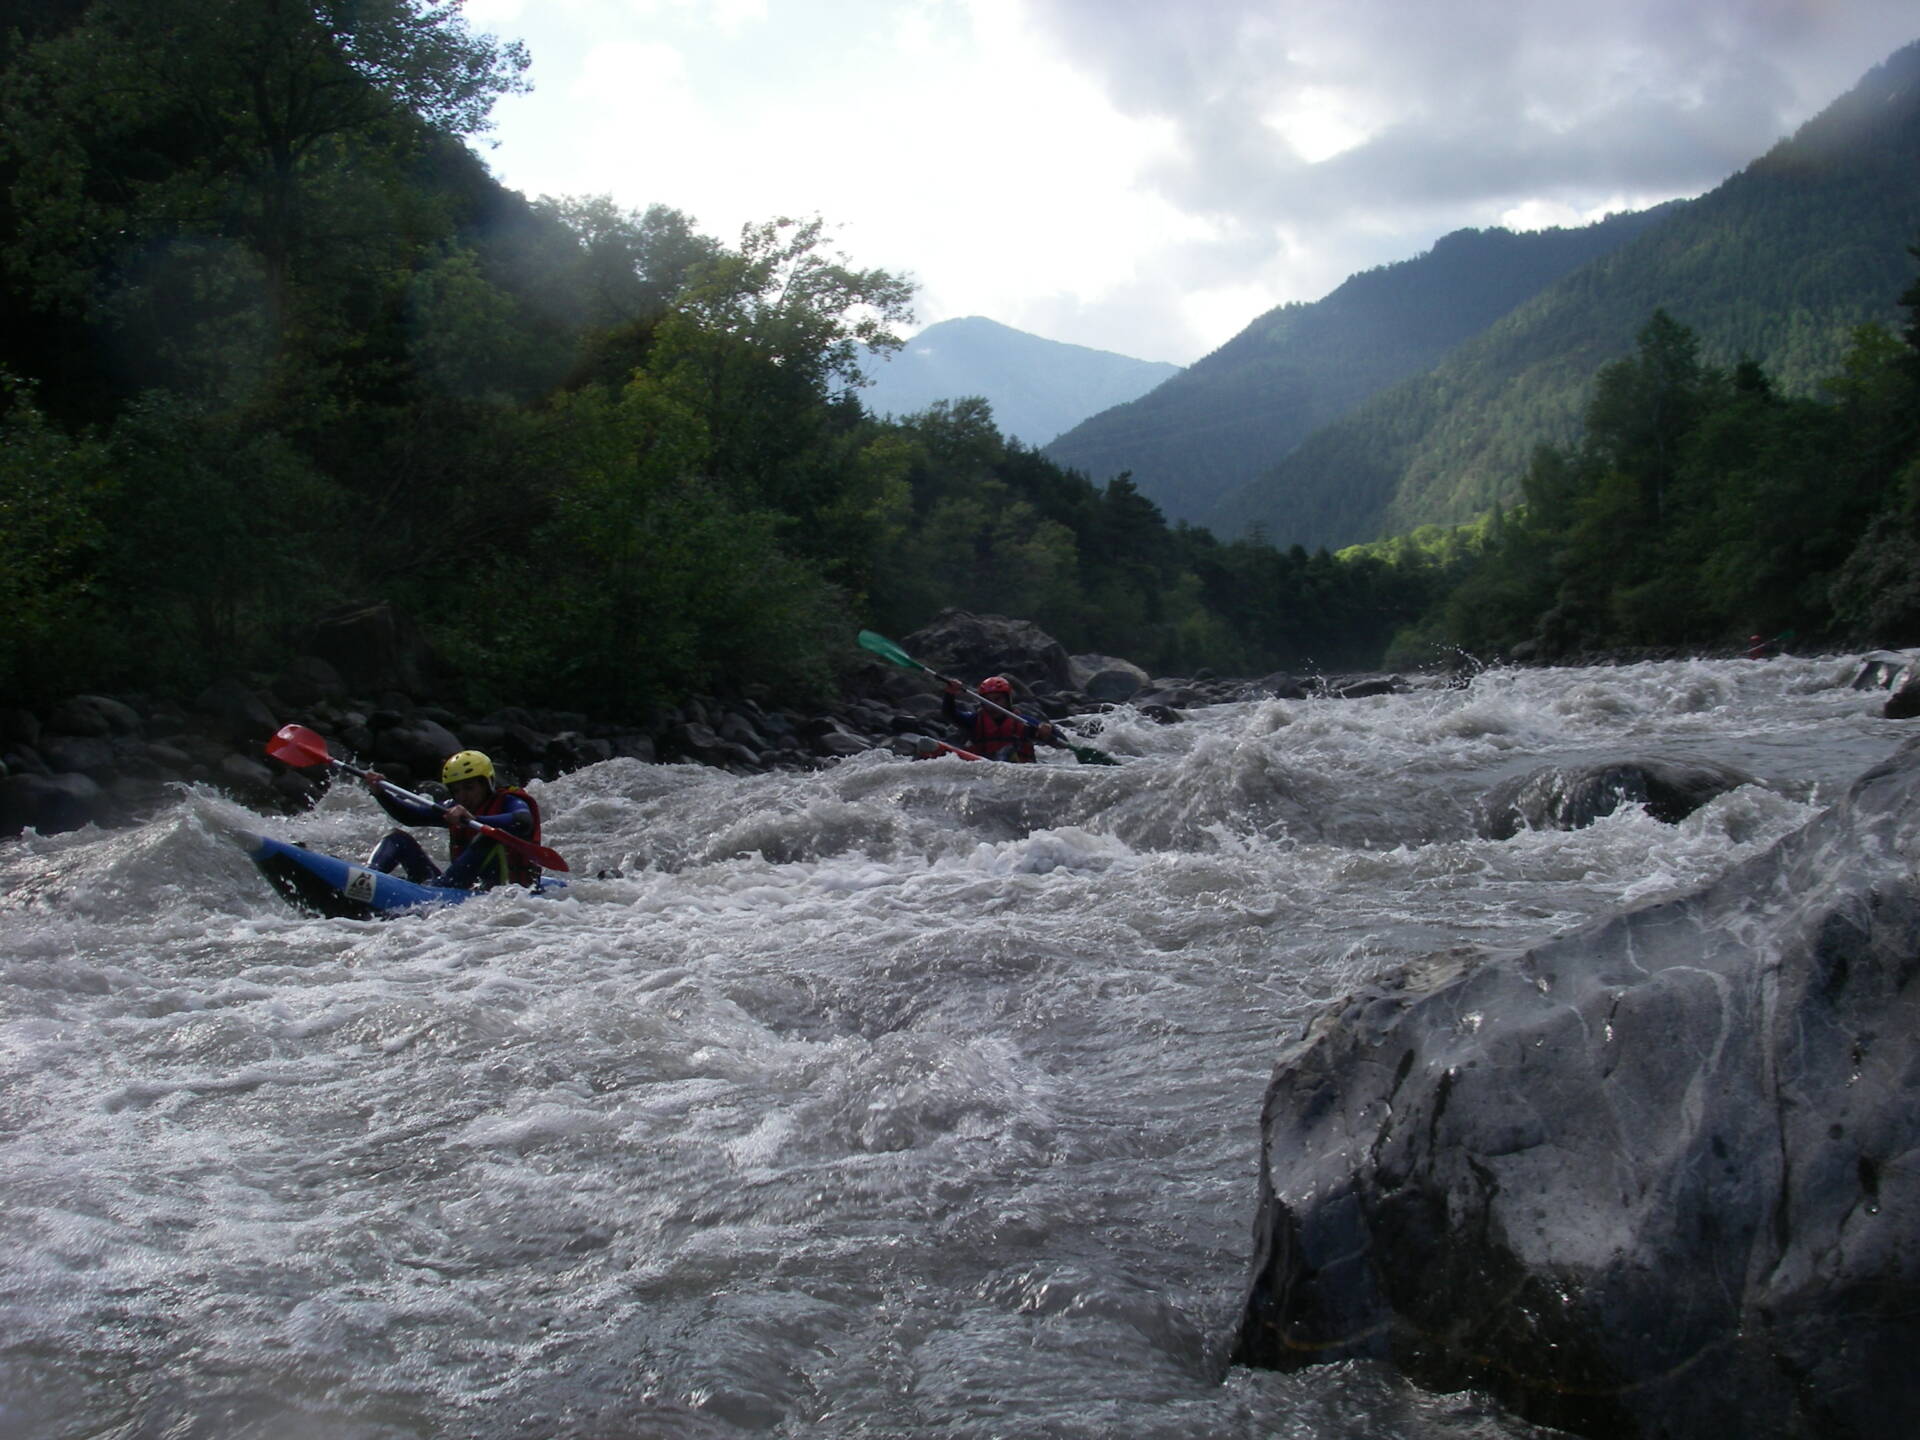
x,y
896,1099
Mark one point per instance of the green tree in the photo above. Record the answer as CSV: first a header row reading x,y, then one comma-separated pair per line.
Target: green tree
x,y
155,133
54,492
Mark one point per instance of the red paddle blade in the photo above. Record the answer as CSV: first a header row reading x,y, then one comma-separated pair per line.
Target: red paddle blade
x,y
298,746
547,859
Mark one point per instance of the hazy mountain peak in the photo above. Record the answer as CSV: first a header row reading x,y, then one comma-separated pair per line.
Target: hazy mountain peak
x,y
1037,387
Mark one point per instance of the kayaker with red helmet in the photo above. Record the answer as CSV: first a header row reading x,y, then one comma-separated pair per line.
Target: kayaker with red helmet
x,y
993,729
476,861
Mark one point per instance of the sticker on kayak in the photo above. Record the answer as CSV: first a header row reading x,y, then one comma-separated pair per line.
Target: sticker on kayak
x,y
360,887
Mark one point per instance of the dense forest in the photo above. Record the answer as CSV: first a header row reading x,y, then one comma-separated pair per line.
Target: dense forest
x,y
1702,505
273,343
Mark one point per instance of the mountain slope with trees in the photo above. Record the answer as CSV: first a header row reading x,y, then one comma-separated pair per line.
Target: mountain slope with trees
x,y
1779,264
1224,420
1037,388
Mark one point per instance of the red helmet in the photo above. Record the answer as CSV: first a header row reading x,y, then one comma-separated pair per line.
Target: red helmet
x,y
996,685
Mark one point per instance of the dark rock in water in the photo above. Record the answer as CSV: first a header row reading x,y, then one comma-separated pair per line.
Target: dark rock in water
x,y
1369,686
236,711
419,743
93,716
309,680
49,804
1904,702
971,647
1554,798
1283,685
1882,670
1108,678
1656,1177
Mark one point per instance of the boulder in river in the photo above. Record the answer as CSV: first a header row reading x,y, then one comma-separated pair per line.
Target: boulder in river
x,y
1571,798
971,647
1657,1177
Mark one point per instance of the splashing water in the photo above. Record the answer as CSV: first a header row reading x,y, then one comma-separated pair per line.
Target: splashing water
x,y
895,1099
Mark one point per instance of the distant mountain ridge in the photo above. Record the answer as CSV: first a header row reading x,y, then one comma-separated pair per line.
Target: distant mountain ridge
x,y
1225,419
1038,388
1781,263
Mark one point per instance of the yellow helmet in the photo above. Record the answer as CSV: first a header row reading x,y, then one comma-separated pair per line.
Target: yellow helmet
x,y
467,765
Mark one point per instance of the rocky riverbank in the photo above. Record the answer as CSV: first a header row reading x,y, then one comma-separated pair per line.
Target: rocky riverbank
x,y
99,759
108,760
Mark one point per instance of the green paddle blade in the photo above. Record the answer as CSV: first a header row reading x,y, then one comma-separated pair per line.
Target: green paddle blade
x,y
887,650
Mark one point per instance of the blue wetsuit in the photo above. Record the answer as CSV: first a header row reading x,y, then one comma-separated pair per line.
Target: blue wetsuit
x,y
479,863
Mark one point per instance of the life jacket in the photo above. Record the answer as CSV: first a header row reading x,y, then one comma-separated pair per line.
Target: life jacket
x,y
507,865
1002,737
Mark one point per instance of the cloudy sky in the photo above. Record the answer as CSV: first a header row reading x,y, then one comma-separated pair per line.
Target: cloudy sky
x,y
1147,176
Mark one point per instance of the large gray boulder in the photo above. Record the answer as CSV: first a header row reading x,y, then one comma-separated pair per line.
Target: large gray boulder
x,y
49,804
971,647
1657,1177
1107,677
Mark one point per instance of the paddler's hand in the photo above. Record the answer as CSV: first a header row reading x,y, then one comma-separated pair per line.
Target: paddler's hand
x,y
1044,731
374,781
953,687
457,817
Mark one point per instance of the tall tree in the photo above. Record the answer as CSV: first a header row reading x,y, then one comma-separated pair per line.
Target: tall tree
x,y
239,136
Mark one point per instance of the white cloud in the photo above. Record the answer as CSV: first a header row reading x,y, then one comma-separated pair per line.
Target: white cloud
x,y
1150,177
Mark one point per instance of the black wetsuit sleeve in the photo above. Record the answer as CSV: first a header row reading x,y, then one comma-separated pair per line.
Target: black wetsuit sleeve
x,y
406,812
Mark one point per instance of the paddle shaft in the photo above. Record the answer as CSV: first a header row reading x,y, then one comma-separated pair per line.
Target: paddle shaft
x,y
541,854
887,650
297,740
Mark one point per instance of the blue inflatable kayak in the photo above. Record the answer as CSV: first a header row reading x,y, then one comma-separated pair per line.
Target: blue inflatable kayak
x,y
339,888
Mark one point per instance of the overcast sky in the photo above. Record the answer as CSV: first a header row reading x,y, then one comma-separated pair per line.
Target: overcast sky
x,y
1148,176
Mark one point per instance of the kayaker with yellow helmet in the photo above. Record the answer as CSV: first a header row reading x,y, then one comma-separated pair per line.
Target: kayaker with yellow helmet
x,y
475,860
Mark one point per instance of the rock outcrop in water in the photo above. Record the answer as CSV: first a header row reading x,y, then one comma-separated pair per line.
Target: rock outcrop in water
x,y
1557,798
1657,1177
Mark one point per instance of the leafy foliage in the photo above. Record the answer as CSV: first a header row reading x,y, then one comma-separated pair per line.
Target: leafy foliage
x,y
1704,508
269,351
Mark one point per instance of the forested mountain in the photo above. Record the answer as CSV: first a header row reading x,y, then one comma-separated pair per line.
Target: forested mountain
x,y
1780,263
1224,420
1037,388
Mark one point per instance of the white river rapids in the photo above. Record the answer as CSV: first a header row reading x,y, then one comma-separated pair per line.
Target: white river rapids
x,y
897,1099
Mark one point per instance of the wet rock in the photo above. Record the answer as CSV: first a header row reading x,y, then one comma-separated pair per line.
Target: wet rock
x,y
249,780
834,743
49,804
1561,798
237,712
79,755
1108,678
1283,685
1370,685
1882,669
1904,702
971,647
308,680
1653,1177
421,744
93,716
